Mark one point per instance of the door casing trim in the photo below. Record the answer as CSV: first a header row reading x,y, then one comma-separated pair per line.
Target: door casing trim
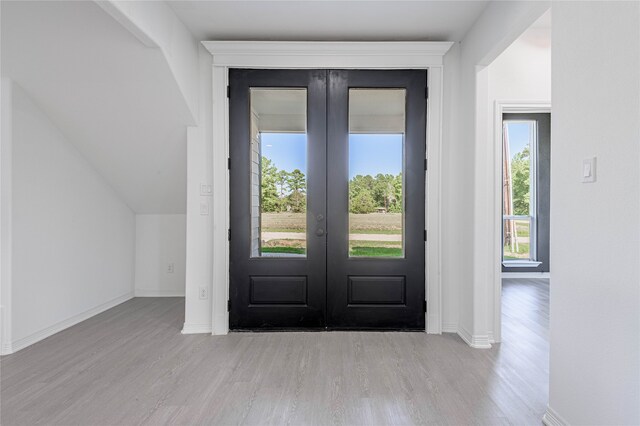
x,y
325,55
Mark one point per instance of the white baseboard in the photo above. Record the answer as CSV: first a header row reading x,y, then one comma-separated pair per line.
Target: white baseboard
x,y
449,327
5,346
551,418
526,275
196,328
142,292
475,341
20,344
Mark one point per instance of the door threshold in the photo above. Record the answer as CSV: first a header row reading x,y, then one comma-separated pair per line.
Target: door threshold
x,y
324,329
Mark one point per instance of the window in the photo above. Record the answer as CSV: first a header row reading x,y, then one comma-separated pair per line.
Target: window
x,y
278,172
377,122
519,147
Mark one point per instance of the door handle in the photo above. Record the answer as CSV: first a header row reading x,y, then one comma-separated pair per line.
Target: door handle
x,y
319,232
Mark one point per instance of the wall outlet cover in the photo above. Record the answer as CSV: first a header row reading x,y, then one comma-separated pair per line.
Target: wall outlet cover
x,y
204,208
202,293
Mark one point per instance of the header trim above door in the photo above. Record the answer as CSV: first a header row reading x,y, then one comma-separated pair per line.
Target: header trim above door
x,y
324,55
300,54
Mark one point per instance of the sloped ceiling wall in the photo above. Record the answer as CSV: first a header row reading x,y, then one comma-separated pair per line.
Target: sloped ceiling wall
x,y
115,99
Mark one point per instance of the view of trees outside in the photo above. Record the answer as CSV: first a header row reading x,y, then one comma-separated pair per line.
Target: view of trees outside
x,y
517,178
367,194
375,200
521,182
375,207
282,191
285,191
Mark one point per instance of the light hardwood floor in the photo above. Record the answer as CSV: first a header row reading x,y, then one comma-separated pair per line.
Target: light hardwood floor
x,y
131,365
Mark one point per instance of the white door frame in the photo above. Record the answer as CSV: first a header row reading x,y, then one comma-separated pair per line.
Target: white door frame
x,y
502,107
325,55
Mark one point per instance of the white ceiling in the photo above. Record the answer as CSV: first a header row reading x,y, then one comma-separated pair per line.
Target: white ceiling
x,y
377,102
539,33
327,20
370,110
113,98
289,101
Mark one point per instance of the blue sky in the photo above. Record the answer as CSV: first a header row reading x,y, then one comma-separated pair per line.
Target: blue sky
x,y
518,137
368,154
288,151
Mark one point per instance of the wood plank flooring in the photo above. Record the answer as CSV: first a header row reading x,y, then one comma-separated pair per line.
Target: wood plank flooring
x,y
131,365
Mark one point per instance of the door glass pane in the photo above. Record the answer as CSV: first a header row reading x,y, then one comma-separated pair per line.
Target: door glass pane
x,y
278,172
376,164
517,239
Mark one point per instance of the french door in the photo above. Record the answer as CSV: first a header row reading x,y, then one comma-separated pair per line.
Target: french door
x,y
327,199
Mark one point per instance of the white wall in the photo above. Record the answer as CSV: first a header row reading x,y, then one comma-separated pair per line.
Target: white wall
x,y
523,71
156,25
468,274
160,242
6,145
200,255
595,227
134,136
73,238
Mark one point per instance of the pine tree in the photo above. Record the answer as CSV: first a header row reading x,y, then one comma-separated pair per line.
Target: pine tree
x,y
268,192
297,184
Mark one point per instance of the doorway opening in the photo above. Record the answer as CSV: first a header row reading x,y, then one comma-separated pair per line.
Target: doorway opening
x,y
519,92
327,197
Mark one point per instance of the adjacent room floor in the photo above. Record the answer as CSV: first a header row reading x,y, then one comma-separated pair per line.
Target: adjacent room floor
x,y
131,365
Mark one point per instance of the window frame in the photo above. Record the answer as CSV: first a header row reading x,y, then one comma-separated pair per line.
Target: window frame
x,y
533,197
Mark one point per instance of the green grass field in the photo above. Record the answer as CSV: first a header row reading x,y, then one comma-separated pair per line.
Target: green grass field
x,y
354,251
375,251
356,248
288,250
522,228
522,252
375,248
371,224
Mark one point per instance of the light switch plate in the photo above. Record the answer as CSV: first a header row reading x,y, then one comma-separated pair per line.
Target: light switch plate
x,y
206,190
589,170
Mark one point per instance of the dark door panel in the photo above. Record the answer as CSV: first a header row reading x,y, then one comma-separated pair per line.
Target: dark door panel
x,y
268,290
376,292
327,272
